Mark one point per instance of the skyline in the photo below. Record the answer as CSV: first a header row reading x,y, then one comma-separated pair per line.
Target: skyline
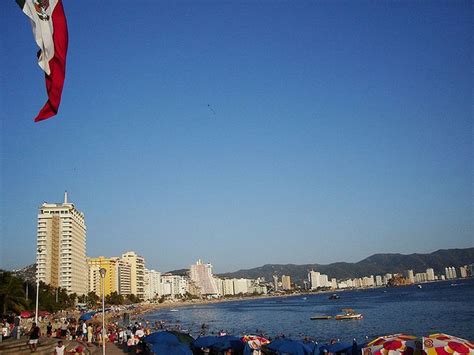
x,y
292,133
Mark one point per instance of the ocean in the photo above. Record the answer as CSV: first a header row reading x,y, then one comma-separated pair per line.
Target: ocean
x,y
446,306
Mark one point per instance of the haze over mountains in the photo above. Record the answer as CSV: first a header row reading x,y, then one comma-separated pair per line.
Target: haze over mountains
x,y
376,264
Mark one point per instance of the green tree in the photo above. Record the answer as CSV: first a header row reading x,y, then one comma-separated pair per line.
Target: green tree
x,y
12,294
114,299
92,299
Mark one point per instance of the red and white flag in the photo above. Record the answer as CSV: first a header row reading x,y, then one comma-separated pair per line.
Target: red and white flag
x,y
50,30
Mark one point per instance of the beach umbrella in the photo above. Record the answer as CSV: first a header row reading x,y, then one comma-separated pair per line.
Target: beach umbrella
x,y
393,345
253,344
166,342
443,344
26,314
87,316
337,348
228,342
204,342
291,347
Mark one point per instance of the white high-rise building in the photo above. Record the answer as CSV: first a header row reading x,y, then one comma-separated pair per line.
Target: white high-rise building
x,y
137,273
201,275
152,287
313,277
411,276
61,247
430,274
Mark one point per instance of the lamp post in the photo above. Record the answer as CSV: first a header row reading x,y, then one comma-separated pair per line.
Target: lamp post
x,y
37,286
102,275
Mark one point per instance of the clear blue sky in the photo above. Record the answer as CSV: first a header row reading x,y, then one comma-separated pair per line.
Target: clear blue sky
x,y
341,129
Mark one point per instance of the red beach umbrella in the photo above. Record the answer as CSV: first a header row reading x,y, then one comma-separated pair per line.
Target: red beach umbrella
x,y
443,344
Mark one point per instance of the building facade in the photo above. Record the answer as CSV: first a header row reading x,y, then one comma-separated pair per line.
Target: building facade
x,y
61,247
137,273
201,275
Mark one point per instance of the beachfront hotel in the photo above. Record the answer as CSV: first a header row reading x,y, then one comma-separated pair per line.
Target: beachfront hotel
x,y
137,273
61,247
201,275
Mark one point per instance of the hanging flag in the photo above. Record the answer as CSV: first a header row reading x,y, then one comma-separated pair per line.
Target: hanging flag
x,y
50,31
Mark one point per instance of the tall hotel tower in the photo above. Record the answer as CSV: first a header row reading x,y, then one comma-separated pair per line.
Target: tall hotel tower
x,y
61,247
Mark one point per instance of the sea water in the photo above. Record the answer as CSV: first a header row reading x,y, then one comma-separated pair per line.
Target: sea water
x,y
445,306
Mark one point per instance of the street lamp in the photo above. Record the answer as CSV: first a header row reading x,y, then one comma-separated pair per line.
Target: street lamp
x,y
37,285
102,275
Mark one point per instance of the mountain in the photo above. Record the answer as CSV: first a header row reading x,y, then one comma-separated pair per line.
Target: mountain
x,y
377,264
28,273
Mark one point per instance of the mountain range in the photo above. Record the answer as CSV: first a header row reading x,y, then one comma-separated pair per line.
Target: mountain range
x,y
377,264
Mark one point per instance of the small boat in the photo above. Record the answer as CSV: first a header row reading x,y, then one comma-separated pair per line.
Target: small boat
x,y
304,298
173,310
348,313
320,317
419,286
334,297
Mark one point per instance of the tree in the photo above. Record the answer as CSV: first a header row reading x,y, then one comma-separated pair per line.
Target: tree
x,y
12,294
92,299
114,299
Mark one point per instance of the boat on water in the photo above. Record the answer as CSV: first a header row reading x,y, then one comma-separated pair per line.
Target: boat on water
x,y
348,313
419,286
321,317
334,296
173,310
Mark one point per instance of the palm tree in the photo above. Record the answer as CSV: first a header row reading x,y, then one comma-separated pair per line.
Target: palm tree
x,y
12,295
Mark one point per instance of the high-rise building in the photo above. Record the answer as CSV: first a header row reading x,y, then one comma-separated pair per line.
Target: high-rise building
x,y
286,282
430,274
61,247
123,273
152,284
228,287
110,279
411,276
201,275
137,273
313,277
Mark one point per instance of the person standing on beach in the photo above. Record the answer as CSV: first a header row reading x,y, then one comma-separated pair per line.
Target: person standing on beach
x,y
89,334
49,330
35,333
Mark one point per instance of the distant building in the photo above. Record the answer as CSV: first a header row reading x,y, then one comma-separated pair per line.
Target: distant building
x,y
333,283
137,273
430,274
286,282
411,276
95,280
228,287
378,280
313,278
240,286
174,285
61,247
123,273
463,271
201,275
152,280
275,283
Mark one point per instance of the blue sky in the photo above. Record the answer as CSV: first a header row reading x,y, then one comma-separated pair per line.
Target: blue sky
x,y
245,132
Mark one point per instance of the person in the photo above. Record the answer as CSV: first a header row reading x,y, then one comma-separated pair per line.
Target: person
x,y
35,333
64,330
84,330
89,333
49,330
59,349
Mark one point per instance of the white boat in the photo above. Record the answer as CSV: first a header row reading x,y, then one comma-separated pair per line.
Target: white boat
x,y
173,310
348,313
419,286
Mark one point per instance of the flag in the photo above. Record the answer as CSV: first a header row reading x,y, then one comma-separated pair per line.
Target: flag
x,y
50,31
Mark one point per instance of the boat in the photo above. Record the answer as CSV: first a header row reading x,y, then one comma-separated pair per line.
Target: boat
x,y
348,313
304,298
173,310
321,317
419,286
334,297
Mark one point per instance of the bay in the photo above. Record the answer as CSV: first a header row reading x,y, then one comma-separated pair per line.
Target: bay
x,y
445,306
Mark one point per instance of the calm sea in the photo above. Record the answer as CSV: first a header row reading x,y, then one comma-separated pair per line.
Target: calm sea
x,y
446,307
